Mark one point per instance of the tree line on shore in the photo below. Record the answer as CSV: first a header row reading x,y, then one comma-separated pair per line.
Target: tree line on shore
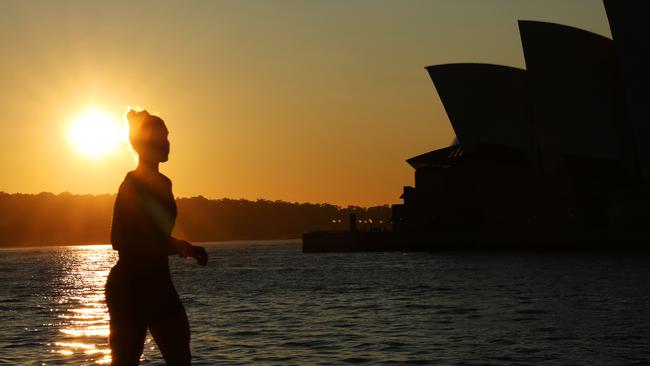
x,y
71,219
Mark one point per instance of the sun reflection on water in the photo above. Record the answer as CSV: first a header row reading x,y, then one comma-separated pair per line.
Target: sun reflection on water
x,y
84,324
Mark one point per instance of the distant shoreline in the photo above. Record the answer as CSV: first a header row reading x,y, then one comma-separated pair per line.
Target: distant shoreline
x,y
48,219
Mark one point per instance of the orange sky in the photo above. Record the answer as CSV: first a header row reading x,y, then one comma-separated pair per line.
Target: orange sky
x,y
316,101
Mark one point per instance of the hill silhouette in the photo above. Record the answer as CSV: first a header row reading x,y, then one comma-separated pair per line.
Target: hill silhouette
x,y
71,219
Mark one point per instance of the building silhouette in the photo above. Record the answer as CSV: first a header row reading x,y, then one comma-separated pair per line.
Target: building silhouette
x,y
557,153
553,156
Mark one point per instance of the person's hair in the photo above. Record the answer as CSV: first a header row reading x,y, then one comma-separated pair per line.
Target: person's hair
x,y
139,122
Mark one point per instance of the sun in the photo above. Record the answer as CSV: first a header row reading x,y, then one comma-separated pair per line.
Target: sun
x,y
95,133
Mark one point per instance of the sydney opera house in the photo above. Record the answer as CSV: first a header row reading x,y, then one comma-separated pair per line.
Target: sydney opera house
x,y
557,154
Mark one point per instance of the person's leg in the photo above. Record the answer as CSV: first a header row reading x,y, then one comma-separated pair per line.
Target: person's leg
x,y
127,326
172,335
126,341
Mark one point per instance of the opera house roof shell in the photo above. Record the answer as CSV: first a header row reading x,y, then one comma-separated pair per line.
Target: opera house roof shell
x,y
579,96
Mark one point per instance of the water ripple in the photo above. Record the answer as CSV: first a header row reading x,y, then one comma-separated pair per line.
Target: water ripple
x,y
271,304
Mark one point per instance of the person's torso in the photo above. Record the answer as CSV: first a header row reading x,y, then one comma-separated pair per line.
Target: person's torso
x,y
147,217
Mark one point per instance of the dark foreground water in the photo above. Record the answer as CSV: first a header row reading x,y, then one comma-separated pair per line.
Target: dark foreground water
x,y
257,303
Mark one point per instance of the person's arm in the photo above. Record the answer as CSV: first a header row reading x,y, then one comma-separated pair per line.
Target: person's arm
x,y
119,229
185,249
127,233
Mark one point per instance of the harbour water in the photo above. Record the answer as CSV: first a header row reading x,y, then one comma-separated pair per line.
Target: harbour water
x,y
268,303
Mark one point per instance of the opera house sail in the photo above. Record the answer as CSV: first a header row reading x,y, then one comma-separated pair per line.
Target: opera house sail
x,y
556,155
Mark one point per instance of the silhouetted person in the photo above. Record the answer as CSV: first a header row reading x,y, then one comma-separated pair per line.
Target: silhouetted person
x,y
139,289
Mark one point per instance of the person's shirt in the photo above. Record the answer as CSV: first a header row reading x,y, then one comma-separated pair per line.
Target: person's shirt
x,y
143,217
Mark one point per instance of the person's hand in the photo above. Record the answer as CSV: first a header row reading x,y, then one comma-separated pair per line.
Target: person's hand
x,y
200,254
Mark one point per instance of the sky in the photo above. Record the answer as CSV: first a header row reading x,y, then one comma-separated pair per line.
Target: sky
x,y
303,101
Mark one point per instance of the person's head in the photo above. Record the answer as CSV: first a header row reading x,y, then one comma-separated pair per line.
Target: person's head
x,y
148,136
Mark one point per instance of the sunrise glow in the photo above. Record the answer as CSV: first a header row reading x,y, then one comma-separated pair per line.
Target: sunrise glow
x,y
95,133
